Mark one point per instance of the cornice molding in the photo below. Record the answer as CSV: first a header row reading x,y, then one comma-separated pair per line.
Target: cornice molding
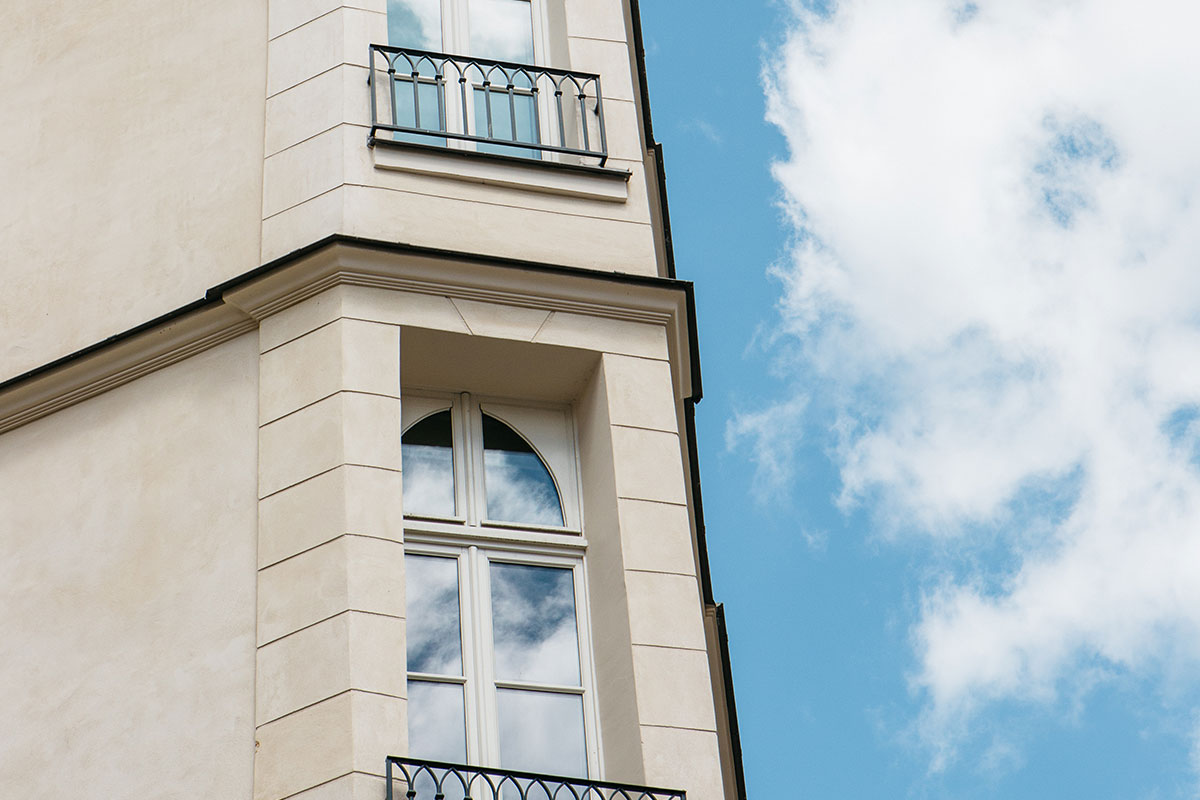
x,y
347,264
120,363
238,309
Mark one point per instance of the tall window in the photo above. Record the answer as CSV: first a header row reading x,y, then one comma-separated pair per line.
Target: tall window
x,y
499,666
495,673
497,30
503,30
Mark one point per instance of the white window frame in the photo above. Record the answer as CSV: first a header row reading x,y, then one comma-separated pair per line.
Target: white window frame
x,y
548,429
475,615
456,29
475,542
456,40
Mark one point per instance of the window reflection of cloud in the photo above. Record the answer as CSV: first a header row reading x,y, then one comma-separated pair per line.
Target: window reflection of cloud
x,y
541,732
520,489
533,622
431,595
428,479
502,29
415,23
436,731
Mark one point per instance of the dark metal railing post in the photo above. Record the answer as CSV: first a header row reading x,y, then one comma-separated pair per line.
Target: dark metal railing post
x,y
583,121
440,87
537,114
562,131
416,82
462,89
487,106
392,95
600,121
512,109
371,89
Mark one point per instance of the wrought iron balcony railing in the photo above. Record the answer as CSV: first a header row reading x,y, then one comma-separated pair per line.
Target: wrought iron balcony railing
x,y
418,96
417,779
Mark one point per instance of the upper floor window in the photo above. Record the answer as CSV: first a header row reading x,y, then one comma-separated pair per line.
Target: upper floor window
x,y
488,464
499,651
499,670
504,30
462,75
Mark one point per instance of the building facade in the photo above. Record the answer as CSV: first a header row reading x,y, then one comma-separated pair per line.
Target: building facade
x,y
346,409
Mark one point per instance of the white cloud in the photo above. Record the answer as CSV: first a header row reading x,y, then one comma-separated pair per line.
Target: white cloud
x,y
771,435
705,129
997,260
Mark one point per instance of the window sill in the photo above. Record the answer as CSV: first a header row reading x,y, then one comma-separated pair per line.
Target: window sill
x,y
547,177
423,532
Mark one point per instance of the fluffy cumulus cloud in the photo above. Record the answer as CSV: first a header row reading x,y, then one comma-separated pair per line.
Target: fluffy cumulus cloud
x,y
996,267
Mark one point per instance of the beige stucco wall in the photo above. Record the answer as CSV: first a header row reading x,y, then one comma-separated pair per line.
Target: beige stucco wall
x,y
321,178
153,536
158,150
328,390
130,160
127,588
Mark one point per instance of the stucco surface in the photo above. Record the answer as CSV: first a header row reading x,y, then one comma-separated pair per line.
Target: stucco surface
x,y
131,158
321,178
127,588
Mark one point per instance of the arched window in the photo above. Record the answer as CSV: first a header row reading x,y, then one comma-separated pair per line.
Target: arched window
x,y
488,464
518,485
498,642
427,450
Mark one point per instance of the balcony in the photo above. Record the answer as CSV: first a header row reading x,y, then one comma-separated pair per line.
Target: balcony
x,y
491,108
416,779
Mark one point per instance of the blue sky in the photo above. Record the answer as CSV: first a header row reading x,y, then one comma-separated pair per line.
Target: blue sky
x,y
945,261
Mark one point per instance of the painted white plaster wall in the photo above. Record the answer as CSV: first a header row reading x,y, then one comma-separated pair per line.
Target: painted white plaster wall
x,y
131,162
128,528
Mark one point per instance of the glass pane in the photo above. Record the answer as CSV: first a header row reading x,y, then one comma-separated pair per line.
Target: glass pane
x,y
533,624
425,101
502,30
415,23
427,456
437,728
431,592
522,111
519,487
542,732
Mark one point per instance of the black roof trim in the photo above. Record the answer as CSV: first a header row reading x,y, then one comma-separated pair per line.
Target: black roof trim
x,y
116,338
689,422
655,149
213,296
735,737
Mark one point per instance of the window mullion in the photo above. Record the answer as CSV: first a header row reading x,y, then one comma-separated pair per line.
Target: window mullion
x,y
433,677
474,457
583,628
526,686
537,13
457,26
464,458
485,689
470,623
